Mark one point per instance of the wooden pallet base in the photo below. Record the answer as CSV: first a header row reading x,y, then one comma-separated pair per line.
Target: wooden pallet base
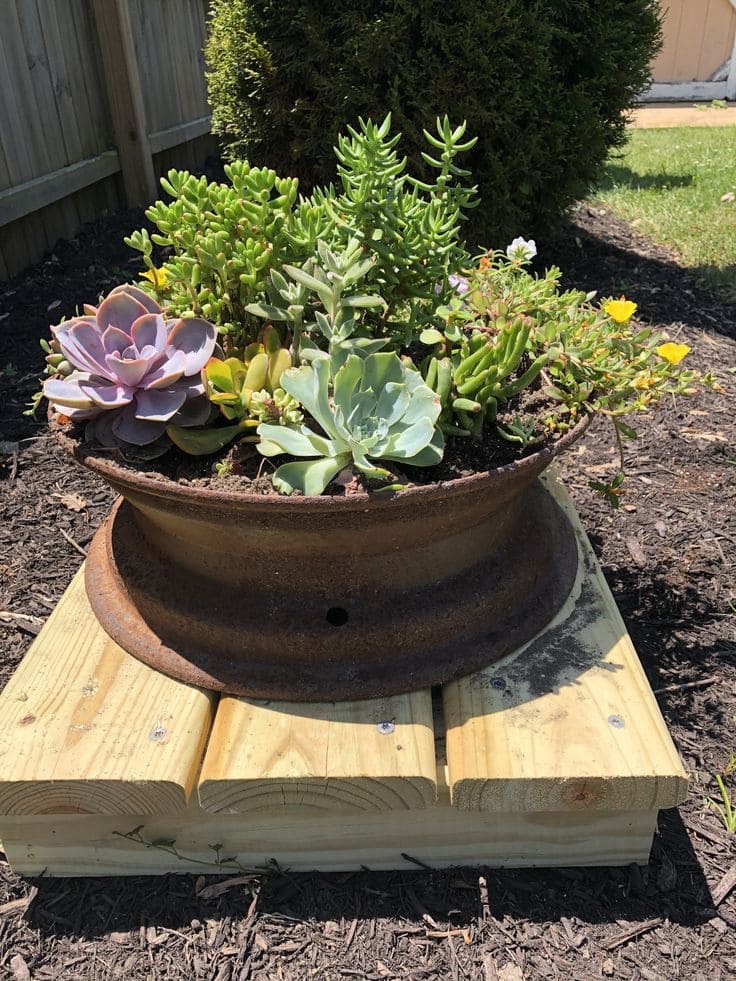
x,y
443,836
556,755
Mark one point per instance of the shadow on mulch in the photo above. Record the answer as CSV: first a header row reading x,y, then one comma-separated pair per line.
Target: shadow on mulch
x,y
598,251
667,889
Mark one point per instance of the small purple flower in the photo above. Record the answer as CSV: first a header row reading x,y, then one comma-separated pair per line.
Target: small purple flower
x,y
459,284
135,372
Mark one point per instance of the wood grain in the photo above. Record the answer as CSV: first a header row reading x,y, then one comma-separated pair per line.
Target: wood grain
x,y
375,755
87,729
439,837
567,723
55,112
123,84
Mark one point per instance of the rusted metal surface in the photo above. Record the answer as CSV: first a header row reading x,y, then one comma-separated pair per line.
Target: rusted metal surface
x,y
330,598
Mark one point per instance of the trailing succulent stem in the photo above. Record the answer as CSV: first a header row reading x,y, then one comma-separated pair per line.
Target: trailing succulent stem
x,y
508,331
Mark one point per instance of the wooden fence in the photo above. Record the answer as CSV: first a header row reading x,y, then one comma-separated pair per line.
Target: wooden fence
x,y
97,98
698,57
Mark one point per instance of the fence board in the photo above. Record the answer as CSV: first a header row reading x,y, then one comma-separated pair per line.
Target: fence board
x,y
58,76
99,119
718,37
19,126
57,145
14,105
53,103
15,202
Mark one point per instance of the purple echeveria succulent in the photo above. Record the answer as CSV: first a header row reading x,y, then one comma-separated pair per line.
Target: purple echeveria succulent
x,y
135,372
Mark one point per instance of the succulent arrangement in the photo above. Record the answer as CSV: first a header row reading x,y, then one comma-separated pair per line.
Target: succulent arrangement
x,y
350,330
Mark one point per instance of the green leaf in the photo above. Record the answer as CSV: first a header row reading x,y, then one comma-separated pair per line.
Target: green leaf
x,y
554,393
268,312
431,336
309,385
200,441
347,381
308,476
220,373
625,430
363,301
380,369
323,290
432,453
296,442
411,441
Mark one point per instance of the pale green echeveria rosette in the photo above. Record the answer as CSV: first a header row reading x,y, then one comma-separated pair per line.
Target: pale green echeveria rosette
x,y
379,409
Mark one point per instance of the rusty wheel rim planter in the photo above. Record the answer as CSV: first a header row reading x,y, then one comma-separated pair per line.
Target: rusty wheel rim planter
x,y
329,598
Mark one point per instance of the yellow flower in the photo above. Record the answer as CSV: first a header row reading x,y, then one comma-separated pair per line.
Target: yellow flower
x,y
157,277
620,310
674,353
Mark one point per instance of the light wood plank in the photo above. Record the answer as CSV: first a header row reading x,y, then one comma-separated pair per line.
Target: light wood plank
x,y
153,45
197,79
439,837
664,64
88,729
358,756
569,722
57,74
58,124
178,70
692,29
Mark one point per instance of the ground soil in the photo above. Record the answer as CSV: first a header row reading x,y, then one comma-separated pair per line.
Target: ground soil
x,y
668,555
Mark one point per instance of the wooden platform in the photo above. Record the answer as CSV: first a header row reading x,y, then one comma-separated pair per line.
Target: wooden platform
x,y
556,755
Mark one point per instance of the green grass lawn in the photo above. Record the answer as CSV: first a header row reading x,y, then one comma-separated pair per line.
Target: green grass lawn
x,y
672,182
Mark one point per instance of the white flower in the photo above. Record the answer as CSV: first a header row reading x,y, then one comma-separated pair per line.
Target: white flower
x,y
522,249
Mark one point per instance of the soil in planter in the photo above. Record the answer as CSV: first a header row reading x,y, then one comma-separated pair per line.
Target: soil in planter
x,y
242,468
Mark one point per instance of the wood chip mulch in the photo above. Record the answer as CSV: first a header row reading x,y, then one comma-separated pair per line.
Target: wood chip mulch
x,y
668,555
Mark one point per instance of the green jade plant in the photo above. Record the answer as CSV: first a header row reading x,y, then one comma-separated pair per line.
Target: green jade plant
x,y
350,330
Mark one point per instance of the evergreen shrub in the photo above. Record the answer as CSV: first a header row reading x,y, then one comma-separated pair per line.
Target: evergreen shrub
x,y
544,84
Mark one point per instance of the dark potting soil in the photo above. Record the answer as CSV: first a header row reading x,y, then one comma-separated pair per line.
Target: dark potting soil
x,y
242,468
668,555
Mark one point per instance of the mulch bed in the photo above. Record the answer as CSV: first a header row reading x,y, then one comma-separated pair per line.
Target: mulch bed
x,y
668,555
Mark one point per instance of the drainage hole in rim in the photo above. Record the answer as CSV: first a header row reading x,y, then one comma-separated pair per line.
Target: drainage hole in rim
x,y
337,616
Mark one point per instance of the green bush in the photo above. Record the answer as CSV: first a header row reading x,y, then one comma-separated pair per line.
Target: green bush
x,y
542,83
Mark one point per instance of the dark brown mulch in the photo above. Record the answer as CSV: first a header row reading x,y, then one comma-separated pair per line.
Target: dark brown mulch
x,y
669,557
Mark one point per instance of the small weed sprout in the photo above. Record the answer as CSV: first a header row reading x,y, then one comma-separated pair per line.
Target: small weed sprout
x,y
726,808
